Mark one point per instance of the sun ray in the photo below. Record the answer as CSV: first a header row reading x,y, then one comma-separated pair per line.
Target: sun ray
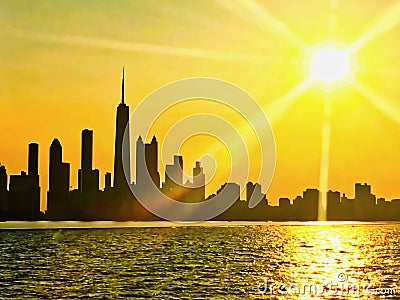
x,y
379,101
324,165
146,48
387,70
333,17
388,20
277,109
264,18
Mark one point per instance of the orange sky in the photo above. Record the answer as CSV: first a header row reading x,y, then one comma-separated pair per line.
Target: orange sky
x,y
60,71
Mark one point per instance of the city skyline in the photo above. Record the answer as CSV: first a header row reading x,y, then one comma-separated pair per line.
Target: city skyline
x,y
230,149
20,194
93,177
61,66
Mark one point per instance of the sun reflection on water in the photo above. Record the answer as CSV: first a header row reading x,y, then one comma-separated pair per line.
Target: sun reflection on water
x,y
341,259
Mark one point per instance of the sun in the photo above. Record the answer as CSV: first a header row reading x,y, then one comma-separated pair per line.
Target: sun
x,y
330,63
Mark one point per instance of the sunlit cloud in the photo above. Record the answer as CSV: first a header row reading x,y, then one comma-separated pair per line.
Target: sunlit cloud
x,y
263,18
102,43
387,21
379,101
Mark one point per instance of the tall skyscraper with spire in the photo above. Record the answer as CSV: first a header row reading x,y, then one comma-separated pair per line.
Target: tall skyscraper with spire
x,y
122,149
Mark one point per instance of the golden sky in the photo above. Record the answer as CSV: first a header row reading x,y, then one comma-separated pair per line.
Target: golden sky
x,y
60,72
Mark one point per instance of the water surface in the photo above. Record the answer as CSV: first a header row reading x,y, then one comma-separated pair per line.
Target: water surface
x,y
211,261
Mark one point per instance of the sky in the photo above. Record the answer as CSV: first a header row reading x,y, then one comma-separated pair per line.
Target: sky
x,y
60,72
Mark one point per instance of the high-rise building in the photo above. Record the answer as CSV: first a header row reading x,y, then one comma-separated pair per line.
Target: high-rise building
x,y
59,175
333,210
122,145
88,179
365,202
363,193
174,172
87,150
107,181
140,162
147,163
151,154
33,160
24,190
253,192
173,184
198,192
3,192
310,204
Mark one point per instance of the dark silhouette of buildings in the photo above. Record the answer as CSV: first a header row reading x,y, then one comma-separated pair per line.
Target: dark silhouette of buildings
x,y
3,192
59,179
88,179
192,191
23,200
149,164
173,185
20,197
198,188
121,133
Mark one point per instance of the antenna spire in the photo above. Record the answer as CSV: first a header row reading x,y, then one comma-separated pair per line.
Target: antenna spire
x,y
123,88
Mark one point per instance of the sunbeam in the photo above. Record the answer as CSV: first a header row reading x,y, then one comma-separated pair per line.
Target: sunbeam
x,y
145,48
388,20
379,101
324,165
333,17
264,18
277,109
386,71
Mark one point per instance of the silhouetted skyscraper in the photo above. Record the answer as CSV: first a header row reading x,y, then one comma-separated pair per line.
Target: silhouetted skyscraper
x,y
333,206
365,202
59,175
140,162
3,192
87,150
147,161
310,204
88,179
151,154
24,194
253,191
198,192
174,172
121,133
107,181
173,185
33,159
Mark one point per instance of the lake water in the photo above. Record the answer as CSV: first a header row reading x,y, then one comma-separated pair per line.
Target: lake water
x,y
200,261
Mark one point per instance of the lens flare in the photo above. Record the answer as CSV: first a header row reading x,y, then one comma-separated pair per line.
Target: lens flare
x,y
329,64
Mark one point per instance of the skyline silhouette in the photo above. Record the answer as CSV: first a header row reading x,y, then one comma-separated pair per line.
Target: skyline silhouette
x,y
58,80
20,198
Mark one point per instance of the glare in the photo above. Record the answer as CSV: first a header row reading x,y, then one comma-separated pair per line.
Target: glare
x,y
330,63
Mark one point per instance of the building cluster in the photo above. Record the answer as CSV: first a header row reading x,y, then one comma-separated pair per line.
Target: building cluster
x,y
20,197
